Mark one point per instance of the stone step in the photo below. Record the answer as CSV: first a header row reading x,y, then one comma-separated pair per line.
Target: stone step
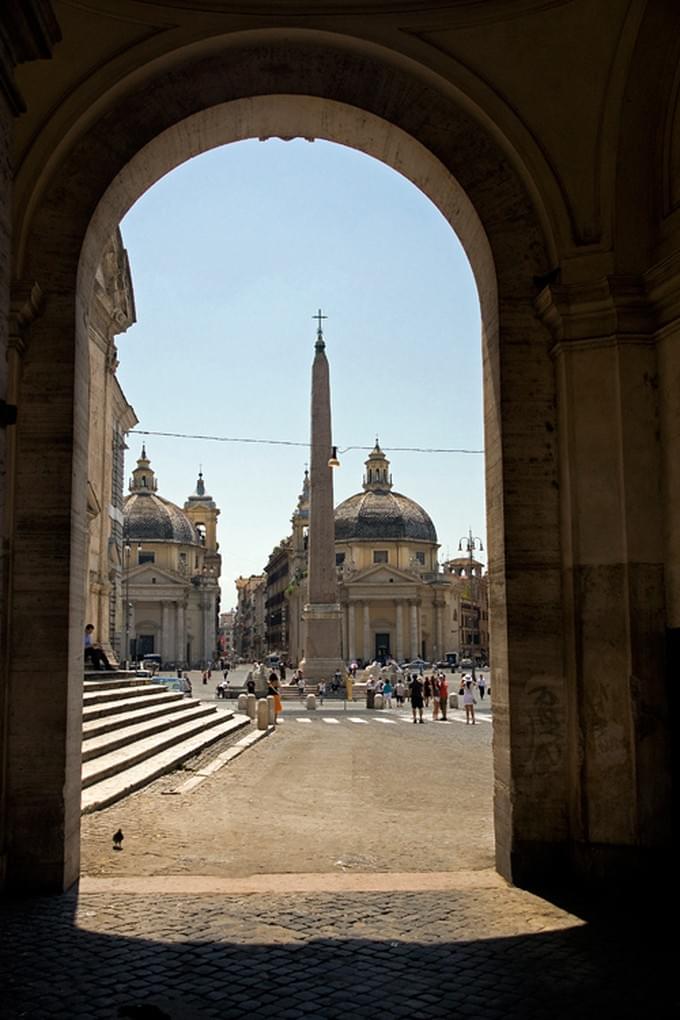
x,y
100,793
94,697
117,761
100,675
101,709
114,683
96,722
135,729
292,693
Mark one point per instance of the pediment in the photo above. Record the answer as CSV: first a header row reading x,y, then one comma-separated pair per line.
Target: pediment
x,y
381,574
148,571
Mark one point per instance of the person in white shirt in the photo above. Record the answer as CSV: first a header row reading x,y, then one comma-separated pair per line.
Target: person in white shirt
x,y
469,701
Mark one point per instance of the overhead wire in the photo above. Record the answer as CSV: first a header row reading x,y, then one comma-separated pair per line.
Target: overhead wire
x,y
292,442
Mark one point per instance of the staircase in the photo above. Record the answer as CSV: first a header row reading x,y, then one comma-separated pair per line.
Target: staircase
x,y
135,730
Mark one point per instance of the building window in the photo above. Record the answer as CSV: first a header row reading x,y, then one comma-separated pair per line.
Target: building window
x,y
380,556
339,559
420,558
146,557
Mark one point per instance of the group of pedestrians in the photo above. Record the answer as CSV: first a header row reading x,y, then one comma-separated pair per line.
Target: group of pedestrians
x,y
425,690
433,688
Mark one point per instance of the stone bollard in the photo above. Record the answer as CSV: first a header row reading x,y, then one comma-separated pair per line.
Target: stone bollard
x,y
262,714
311,702
379,701
272,709
453,701
251,705
242,703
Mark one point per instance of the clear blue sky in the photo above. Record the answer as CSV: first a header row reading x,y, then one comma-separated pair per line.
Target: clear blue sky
x,y
231,255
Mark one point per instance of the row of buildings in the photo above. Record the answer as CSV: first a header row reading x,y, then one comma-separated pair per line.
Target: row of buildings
x,y
153,567
396,600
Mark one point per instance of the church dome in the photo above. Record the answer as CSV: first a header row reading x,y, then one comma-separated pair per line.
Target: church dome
x,y
378,513
149,517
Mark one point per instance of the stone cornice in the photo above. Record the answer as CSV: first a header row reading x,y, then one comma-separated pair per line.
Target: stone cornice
x,y
611,309
663,286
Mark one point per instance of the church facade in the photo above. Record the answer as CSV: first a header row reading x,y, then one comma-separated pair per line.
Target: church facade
x,y
171,573
395,601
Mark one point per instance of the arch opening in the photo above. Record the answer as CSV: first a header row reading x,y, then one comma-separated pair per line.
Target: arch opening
x,y
501,235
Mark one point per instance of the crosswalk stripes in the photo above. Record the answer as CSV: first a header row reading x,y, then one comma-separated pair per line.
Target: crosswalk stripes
x,y
453,717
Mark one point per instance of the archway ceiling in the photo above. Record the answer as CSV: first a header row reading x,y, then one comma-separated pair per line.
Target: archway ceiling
x,y
545,75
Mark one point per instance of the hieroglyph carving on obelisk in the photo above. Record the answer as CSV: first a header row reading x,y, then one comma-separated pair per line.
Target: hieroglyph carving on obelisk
x,y
322,648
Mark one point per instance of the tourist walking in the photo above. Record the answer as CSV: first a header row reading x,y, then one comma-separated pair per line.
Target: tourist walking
x,y
387,693
273,691
435,697
417,698
469,701
481,684
301,685
427,691
322,691
443,696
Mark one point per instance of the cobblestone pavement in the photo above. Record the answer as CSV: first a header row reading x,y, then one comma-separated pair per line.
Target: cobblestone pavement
x,y
473,952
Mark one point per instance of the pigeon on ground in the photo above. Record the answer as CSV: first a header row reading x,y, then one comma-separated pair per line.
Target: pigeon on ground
x,y
118,840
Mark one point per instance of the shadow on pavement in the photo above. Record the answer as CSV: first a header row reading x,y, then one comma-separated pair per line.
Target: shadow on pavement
x,y
220,957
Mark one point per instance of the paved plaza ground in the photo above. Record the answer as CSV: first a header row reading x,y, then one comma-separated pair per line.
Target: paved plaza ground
x,y
341,868
329,791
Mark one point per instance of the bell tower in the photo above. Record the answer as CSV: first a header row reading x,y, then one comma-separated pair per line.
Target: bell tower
x,y
377,477
203,512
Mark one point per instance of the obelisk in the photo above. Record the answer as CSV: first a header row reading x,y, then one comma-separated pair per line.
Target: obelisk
x,y
322,648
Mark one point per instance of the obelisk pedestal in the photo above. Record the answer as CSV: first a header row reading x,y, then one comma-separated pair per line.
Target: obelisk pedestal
x,y
322,646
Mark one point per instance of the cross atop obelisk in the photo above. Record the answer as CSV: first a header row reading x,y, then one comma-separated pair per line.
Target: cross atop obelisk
x,y
319,330
323,650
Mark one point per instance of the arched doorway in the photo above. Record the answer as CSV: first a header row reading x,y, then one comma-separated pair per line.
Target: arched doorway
x,y
290,88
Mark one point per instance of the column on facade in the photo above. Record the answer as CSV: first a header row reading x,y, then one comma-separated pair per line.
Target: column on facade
x,y
167,632
208,616
131,629
343,631
400,632
414,630
351,628
180,634
368,657
439,629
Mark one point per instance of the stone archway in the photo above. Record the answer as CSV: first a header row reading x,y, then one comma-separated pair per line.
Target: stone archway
x,y
288,87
